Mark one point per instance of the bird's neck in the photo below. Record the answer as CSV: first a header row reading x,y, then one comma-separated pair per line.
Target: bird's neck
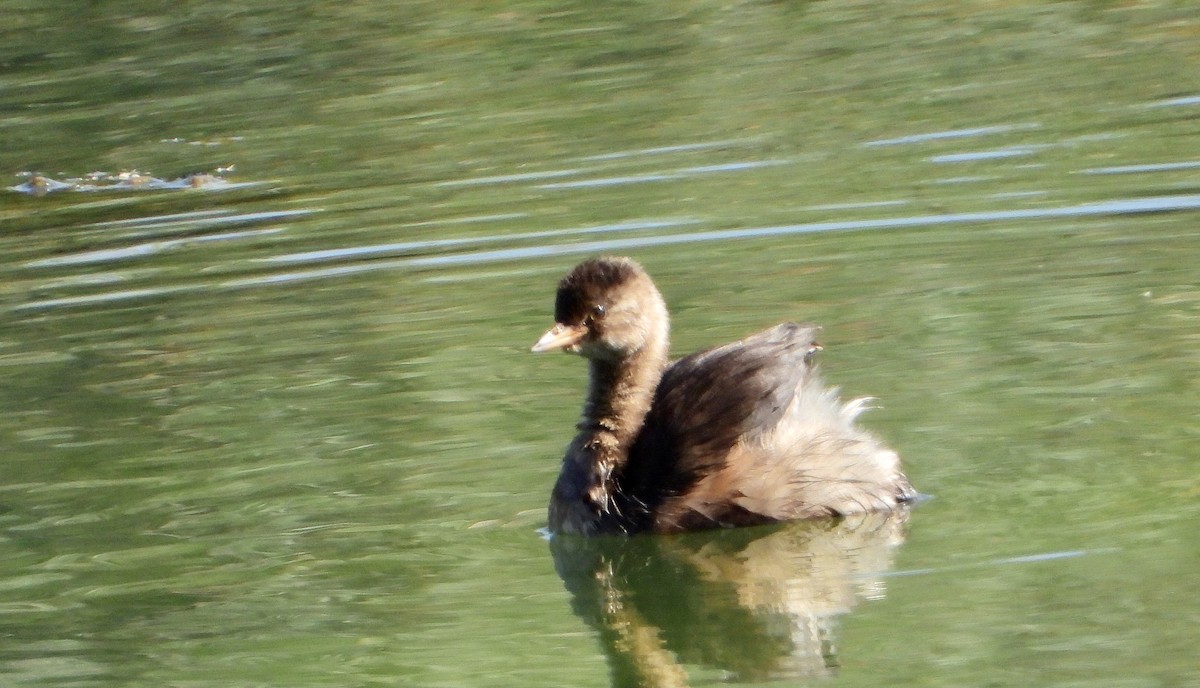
x,y
619,396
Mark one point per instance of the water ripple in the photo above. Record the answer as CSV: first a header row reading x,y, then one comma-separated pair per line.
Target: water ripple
x,y
410,246
1020,559
175,224
1155,167
1117,207
162,219
517,177
951,134
1131,206
681,173
1010,152
145,249
660,150
1175,102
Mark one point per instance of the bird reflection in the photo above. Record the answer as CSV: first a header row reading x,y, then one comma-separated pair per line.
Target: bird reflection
x,y
750,603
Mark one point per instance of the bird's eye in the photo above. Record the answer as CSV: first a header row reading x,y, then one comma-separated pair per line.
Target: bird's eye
x,y
598,310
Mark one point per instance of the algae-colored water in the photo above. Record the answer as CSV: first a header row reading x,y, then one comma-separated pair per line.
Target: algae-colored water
x,y
280,427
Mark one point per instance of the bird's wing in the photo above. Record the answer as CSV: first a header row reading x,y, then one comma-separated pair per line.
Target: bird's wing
x,y
709,401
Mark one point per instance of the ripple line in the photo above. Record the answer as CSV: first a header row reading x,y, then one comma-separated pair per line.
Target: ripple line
x,y
951,134
1127,206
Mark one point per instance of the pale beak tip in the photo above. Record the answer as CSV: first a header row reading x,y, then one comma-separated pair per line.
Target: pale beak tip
x,y
559,337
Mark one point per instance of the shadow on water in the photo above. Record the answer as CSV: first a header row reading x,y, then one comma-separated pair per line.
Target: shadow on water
x,y
660,604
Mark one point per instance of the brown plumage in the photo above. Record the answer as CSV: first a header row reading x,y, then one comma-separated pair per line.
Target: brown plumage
x,y
740,434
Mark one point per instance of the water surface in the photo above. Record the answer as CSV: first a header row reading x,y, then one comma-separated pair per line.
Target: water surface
x,y
280,426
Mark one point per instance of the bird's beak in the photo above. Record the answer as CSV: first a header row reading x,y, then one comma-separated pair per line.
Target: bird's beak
x,y
813,349
560,337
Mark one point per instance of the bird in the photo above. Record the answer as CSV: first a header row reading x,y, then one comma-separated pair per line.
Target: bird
x,y
740,434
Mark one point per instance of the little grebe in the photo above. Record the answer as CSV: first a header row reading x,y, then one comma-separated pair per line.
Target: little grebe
x,y
740,434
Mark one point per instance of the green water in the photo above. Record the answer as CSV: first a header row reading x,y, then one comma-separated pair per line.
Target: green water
x,y
288,432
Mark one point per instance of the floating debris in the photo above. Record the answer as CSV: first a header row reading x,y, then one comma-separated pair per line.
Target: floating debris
x,y
131,180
